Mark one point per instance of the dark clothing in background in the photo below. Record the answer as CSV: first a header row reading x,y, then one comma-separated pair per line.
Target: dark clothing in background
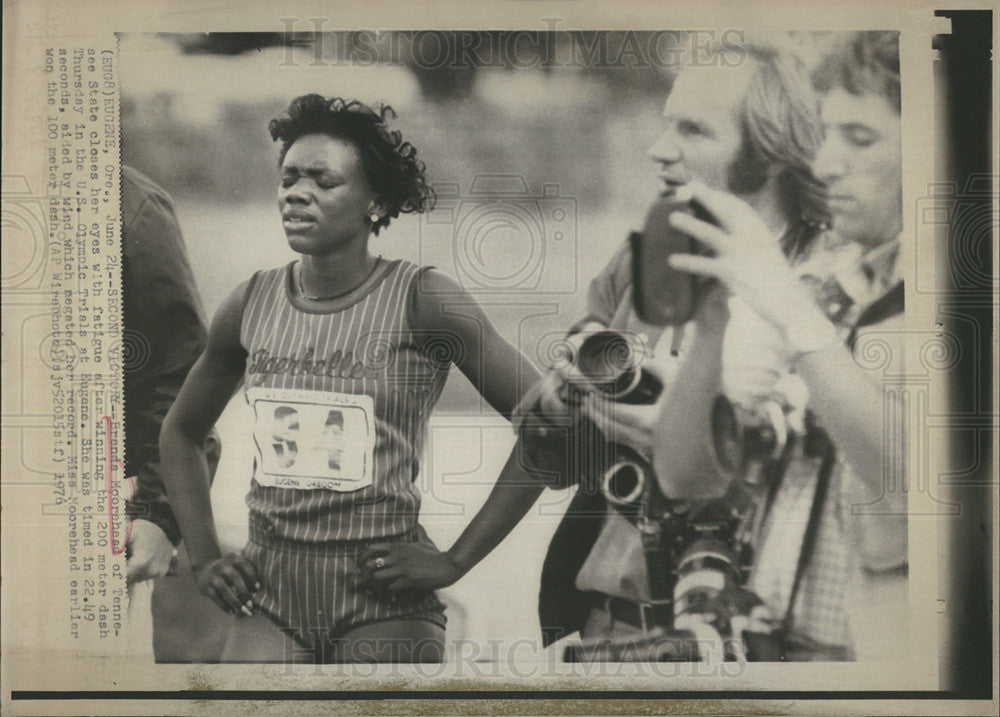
x,y
164,335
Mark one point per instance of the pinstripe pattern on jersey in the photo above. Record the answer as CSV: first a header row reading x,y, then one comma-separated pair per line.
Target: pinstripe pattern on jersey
x,y
365,348
313,588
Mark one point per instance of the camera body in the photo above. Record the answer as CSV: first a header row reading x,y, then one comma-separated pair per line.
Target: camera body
x,y
698,553
698,556
750,443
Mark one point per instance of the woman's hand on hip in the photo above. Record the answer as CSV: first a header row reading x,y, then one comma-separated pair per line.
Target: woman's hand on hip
x,y
230,582
406,566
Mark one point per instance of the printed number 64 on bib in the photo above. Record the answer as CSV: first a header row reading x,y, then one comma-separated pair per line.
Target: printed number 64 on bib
x,y
313,440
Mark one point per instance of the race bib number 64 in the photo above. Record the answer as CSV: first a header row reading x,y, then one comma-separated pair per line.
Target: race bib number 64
x,y
313,440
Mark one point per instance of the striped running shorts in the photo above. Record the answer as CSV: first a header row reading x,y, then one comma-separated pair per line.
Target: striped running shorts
x,y
311,588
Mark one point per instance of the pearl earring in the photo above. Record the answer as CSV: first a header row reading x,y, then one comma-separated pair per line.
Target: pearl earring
x,y
374,218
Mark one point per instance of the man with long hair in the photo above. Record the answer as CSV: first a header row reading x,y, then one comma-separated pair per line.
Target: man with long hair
x,y
847,513
748,132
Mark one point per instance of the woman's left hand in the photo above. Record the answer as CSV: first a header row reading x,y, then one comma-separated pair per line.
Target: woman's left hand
x,y
406,566
748,257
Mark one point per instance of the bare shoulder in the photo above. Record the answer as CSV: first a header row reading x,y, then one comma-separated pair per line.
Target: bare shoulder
x,y
436,299
224,333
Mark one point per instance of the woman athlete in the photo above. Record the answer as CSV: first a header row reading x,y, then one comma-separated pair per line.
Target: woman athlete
x,y
342,356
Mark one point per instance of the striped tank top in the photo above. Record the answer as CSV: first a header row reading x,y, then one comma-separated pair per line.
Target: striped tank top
x,y
340,400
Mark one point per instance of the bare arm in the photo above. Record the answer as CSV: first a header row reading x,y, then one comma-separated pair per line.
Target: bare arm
x,y
868,425
206,391
513,495
850,407
501,374
443,311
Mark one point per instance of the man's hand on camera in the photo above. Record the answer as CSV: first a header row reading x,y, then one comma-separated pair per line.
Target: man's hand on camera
x,y
552,394
230,582
747,259
150,552
621,423
756,365
629,424
549,396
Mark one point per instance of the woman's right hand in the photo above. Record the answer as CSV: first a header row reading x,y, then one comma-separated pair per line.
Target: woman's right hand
x,y
549,393
552,394
228,581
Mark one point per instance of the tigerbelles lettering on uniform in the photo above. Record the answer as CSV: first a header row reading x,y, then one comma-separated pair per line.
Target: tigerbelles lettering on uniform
x,y
338,364
341,399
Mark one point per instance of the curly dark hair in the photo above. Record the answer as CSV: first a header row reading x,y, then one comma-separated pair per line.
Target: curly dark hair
x,y
390,164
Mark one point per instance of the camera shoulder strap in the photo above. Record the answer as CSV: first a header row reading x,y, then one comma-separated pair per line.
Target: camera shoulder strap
x,y
890,304
812,529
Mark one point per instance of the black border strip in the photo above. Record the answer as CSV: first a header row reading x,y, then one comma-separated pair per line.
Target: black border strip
x,y
350,695
967,306
971,688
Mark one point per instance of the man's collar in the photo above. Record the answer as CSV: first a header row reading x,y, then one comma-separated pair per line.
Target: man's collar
x,y
845,278
881,265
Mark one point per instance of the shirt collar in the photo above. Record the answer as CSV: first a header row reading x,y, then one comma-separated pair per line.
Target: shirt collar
x,y
845,278
880,266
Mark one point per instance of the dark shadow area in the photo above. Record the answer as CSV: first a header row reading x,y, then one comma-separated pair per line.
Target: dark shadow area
x,y
964,82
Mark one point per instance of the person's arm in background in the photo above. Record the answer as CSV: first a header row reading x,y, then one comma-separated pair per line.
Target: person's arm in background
x,y
164,333
875,505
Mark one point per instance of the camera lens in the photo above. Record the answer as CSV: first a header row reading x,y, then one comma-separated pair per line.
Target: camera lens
x,y
608,360
761,440
623,483
740,434
704,569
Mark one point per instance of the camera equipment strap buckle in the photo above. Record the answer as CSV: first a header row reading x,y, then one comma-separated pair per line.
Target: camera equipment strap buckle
x,y
644,615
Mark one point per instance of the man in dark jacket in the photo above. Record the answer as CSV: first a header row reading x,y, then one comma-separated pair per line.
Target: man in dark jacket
x,y
164,334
